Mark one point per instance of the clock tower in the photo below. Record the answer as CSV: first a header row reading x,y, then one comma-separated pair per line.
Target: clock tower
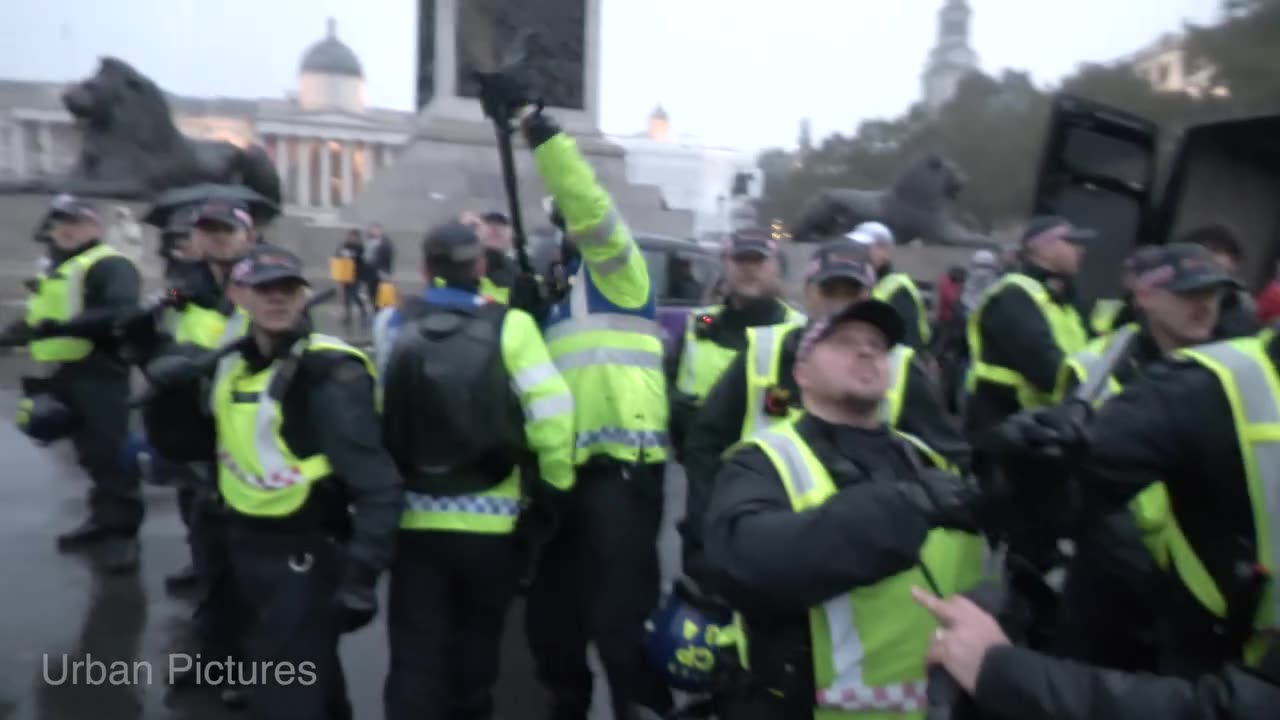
x,y
951,59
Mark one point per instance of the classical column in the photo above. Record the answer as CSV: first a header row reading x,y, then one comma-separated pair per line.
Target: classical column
x,y
326,173
282,166
304,172
370,165
383,160
346,173
46,147
18,148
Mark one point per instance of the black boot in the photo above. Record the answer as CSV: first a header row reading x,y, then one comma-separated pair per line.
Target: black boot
x,y
185,580
82,536
120,555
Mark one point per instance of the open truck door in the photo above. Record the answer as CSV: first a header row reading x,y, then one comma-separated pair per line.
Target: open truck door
x,y
1227,173
1098,170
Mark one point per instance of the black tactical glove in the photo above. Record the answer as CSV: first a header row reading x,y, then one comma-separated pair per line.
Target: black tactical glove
x,y
357,605
46,329
526,295
172,370
1053,432
538,127
947,500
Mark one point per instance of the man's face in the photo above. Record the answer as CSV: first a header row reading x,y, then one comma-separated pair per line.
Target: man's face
x,y
1060,255
829,296
181,247
275,306
71,233
849,367
1189,318
751,275
219,242
880,254
375,230
497,236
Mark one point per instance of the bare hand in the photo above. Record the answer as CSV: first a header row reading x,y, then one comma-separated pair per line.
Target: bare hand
x,y
967,633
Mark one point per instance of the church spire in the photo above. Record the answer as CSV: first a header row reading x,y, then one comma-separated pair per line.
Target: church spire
x,y
952,58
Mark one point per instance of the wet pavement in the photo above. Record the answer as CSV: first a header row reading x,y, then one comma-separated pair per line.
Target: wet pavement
x,y
56,605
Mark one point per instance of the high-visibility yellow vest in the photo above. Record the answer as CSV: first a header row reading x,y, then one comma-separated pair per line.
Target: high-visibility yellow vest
x,y
604,335
763,355
1252,386
868,643
889,286
207,327
60,297
258,475
487,288
702,361
1150,508
1102,319
1064,323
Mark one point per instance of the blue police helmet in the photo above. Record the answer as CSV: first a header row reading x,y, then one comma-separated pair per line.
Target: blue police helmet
x,y
44,419
685,636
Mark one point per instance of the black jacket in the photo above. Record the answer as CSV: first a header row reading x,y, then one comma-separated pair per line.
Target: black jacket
x,y
329,408
1015,335
1175,425
908,310
1237,315
381,263
1020,684
719,425
773,564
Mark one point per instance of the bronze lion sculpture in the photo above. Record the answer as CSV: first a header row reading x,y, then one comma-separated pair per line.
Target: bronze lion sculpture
x,y
914,207
132,150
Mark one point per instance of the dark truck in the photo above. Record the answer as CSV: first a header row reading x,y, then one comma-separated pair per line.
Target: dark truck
x,y
1099,170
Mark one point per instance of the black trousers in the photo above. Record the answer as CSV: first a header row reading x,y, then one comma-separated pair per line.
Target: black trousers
x,y
449,596
288,585
597,581
351,296
97,392
219,620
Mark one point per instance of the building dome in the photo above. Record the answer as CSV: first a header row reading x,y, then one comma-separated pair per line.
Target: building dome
x,y
331,56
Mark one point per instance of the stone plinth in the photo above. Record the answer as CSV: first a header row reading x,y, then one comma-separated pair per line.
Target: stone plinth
x,y
452,163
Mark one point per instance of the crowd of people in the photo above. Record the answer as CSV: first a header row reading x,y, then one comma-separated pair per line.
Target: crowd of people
x,y
1093,538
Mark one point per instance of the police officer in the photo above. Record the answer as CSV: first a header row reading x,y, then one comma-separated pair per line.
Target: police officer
x,y
1013,682
895,288
818,527
598,576
1237,315
714,335
314,498
758,388
486,368
1024,327
494,229
1204,426
1107,601
68,330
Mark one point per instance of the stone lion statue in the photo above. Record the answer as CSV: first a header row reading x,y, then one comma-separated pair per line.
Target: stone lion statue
x,y
914,207
132,150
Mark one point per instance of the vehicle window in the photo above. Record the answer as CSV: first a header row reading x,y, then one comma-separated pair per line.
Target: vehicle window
x,y
680,278
657,262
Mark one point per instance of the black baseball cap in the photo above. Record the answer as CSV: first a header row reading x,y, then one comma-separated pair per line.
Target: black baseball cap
x,y
267,264
66,207
180,222
229,213
843,259
496,217
1055,226
1178,267
452,242
751,242
877,313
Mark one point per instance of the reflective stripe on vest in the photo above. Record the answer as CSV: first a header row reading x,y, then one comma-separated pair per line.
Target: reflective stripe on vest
x,y
1063,321
702,362
1150,508
493,511
868,642
60,298
1252,387
258,474
763,364
896,391
889,286
612,362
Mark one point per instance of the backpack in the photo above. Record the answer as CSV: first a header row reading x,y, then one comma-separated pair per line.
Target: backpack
x,y
451,421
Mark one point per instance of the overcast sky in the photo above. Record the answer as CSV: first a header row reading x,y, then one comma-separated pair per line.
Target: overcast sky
x,y
739,73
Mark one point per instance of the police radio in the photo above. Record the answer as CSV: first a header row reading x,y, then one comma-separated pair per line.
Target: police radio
x,y
705,325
